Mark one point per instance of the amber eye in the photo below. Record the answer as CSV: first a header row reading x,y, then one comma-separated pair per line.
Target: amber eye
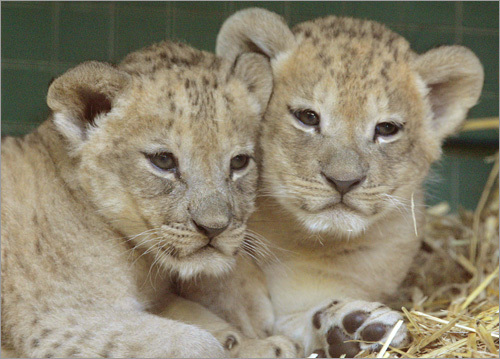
x,y
164,161
307,117
239,162
387,129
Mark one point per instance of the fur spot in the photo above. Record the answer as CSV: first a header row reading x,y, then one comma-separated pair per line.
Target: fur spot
x,y
35,343
38,247
383,72
277,352
134,349
106,351
45,333
72,352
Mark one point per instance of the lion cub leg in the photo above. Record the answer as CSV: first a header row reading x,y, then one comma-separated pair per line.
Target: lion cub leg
x,y
235,343
330,328
111,333
339,322
240,297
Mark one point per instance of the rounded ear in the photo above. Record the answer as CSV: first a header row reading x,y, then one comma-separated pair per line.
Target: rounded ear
x,y
81,94
255,71
254,30
454,77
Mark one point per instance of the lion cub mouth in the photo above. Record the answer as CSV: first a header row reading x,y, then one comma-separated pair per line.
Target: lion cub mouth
x,y
180,254
337,205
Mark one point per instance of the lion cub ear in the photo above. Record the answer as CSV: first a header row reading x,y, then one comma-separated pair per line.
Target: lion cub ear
x,y
254,30
454,77
79,96
255,72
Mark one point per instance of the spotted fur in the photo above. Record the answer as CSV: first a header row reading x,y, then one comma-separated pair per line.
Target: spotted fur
x,y
94,236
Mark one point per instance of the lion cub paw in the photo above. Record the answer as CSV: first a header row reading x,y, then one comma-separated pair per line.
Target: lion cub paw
x,y
276,346
340,322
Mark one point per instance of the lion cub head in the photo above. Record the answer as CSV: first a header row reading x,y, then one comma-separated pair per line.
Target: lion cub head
x,y
163,146
356,117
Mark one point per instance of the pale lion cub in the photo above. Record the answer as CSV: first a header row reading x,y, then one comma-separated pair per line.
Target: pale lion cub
x,y
354,122
137,180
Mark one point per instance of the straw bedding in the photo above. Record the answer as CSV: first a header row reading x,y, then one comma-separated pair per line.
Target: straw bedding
x,y
451,295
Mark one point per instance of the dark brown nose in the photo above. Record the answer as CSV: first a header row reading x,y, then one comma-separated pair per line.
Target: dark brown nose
x,y
210,232
344,186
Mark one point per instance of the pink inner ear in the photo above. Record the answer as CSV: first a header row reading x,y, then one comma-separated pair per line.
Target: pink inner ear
x,y
437,97
94,103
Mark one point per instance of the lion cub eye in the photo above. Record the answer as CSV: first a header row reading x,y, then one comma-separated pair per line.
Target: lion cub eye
x,y
307,117
386,129
164,161
239,162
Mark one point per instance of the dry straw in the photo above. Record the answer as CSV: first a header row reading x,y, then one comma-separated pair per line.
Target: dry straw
x,y
450,297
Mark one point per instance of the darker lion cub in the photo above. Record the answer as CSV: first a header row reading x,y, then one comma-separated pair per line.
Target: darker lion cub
x,y
136,179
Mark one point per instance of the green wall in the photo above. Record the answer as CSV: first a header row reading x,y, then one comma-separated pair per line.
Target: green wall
x,y
40,40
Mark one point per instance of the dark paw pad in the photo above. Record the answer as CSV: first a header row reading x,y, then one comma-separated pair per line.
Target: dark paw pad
x,y
316,320
321,353
339,345
230,342
277,352
374,332
354,320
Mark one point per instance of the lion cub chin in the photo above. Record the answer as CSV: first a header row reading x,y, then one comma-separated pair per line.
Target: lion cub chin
x,y
143,175
355,120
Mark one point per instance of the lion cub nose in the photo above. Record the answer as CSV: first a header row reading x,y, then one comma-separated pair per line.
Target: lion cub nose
x,y
210,232
344,186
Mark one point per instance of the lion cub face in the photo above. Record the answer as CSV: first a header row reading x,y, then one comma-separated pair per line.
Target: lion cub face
x,y
355,120
168,157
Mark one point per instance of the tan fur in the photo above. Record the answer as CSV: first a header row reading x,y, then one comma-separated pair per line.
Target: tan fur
x,y
339,253
95,239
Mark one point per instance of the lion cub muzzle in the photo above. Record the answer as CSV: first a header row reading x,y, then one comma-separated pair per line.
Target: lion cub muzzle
x,y
343,169
211,215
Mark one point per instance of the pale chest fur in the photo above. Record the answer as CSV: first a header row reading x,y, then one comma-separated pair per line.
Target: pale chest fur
x,y
310,268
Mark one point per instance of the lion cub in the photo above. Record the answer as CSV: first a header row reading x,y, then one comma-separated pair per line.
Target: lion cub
x,y
354,123
138,179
